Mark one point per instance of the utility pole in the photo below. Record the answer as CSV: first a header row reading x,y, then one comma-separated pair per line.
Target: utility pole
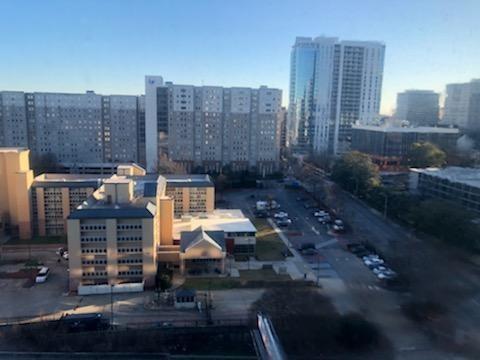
x,y
385,206
111,305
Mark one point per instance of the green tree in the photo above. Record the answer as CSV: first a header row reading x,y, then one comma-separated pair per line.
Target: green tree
x,y
356,173
425,154
448,222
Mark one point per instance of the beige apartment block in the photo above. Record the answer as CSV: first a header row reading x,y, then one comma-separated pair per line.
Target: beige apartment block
x,y
192,194
55,196
15,191
112,237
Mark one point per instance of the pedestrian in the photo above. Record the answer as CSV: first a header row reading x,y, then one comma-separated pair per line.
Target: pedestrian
x,y
305,276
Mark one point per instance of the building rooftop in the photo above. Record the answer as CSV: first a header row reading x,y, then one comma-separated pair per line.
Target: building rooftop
x,y
462,175
69,180
227,220
12,149
200,180
420,129
99,206
189,239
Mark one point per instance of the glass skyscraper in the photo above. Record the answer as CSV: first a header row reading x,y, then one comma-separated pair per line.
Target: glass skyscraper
x,y
333,84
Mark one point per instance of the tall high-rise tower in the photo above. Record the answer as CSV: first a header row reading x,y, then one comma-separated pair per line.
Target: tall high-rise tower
x,y
333,84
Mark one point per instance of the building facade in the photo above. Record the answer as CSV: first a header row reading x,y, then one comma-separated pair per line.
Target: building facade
x,y
457,184
389,146
462,105
75,128
210,127
112,237
333,84
15,209
418,107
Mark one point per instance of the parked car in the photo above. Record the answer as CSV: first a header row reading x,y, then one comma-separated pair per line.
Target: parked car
x,y
387,275
377,270
65,255
338,225
373,263
261,214
326,219
284,222
319,213
280,215
370,256
305,246
84,322
42,275
60,251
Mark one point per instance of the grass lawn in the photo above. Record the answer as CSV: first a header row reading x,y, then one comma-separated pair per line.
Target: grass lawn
x,y
248,279
269,245
38,240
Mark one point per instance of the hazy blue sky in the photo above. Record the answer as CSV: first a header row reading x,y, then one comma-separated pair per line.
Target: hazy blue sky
x,y
109,45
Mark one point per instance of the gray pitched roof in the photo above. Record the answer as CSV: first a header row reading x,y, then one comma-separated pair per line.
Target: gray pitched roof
x,y
188,237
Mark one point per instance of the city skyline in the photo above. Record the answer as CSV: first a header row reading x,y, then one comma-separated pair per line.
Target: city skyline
x,y
226,44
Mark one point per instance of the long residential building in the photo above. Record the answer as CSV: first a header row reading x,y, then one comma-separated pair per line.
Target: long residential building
x,y
75,128
333,84
210,127
462,105
457,184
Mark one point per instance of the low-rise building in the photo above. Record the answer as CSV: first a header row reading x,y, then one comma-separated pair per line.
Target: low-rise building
x,y
457,184
389,146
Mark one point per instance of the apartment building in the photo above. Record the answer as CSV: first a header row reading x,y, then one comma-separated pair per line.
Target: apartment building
x,y
462,105
55,196
122,227
457,184
112,237
389,146
124,231
76,128
15,217
333,84
210,127
192,194
418,107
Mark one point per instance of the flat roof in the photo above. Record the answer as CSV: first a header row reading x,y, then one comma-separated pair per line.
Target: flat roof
x,y
13,149
69,180
193,180
114,212
227,220
420,129
462,175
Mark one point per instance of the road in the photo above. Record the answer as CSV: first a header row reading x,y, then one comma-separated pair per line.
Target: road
x,y
342,276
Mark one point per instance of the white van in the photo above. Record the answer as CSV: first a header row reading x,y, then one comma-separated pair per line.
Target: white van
x,y
42,275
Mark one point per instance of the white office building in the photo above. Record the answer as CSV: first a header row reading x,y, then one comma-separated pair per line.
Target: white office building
x,y
333,84
462,105
418,107
210,127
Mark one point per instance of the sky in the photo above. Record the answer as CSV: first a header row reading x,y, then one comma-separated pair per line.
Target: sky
x,y
110,45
